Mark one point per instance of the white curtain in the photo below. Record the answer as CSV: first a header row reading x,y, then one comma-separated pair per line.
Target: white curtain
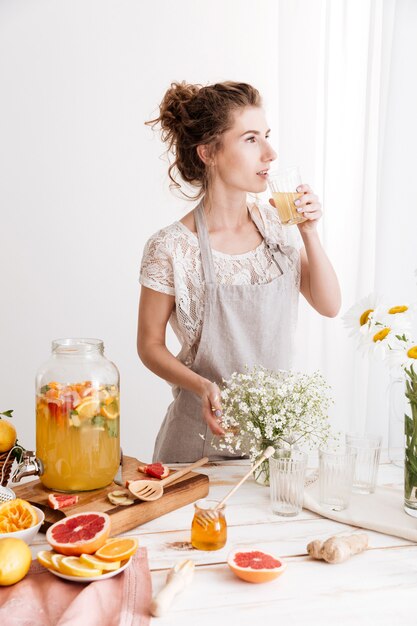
x,y
347,116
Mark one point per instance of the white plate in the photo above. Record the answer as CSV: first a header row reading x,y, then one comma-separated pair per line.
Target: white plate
x,y
91,579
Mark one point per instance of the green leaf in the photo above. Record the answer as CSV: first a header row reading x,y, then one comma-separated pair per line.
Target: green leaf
x,y
112,428
7,413
45,388
97,420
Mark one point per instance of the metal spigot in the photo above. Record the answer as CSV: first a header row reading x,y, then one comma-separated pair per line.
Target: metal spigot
x,y
29,465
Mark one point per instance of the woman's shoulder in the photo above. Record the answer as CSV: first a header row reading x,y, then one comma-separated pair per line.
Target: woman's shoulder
x,y
168,237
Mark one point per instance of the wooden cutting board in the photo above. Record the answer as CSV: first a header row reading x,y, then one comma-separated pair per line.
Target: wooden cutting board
x,y
186,490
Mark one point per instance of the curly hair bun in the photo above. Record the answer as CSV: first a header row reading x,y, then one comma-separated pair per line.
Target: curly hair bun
x,y
174,110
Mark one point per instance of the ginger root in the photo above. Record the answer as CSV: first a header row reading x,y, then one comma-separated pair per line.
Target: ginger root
x,y
338,549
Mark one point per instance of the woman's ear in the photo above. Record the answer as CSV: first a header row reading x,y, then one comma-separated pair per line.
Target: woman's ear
x,y
205,153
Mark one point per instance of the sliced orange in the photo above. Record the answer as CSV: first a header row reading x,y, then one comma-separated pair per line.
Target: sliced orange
x,y
73,566
56,560
45,558
88,408
111,410
94,561
117,549
16,515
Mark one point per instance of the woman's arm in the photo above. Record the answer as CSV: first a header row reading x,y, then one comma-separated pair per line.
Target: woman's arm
x,y
319,284
155,309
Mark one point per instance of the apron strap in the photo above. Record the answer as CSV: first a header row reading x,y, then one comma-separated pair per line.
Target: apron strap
x,y
273,246
205,249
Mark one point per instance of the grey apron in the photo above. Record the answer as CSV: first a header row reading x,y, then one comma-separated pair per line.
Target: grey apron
x,y
242,325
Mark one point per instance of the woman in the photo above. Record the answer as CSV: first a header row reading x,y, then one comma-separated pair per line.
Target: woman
x,y
223,275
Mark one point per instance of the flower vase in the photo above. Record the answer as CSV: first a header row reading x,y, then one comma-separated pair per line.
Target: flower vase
x,y
261,474
410,464
397,408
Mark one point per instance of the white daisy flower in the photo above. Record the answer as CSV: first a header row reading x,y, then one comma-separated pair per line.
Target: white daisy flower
x,y
403,354
357,317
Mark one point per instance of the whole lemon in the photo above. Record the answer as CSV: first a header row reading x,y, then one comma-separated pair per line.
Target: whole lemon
x,y
15,560
7,435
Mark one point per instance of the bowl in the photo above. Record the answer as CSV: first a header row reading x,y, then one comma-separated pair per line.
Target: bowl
x,y
28,534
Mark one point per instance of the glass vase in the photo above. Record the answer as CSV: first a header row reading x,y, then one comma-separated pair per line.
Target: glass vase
x,y
261,474
397,408
410,464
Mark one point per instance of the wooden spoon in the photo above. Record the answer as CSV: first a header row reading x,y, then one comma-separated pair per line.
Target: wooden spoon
x,y
149,490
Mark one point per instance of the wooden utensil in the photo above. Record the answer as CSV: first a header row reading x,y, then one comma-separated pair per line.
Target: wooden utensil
x,y
150,490
204,518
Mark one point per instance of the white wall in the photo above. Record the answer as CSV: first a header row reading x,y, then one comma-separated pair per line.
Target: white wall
x,y
82,185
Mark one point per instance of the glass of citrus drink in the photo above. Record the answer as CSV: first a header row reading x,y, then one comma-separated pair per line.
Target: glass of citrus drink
x,y
283,186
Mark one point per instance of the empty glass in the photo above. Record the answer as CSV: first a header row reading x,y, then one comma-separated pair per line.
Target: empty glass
x,y
336,468
368,450
287,470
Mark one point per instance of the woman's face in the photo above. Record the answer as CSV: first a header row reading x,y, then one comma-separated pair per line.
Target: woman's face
x,y
245,156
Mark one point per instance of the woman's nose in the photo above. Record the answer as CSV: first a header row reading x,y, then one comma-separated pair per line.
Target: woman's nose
x,y
269,153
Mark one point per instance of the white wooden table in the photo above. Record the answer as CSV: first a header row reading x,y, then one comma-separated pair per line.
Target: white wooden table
x,y
377,587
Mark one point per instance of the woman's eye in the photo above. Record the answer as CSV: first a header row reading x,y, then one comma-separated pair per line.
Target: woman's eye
x,y
250,139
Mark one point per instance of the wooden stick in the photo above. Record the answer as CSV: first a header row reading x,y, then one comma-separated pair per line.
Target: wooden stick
x,y
170,479
268,452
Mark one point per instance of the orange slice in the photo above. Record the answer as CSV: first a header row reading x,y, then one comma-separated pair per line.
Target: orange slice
x,y
56,560
16,515
111,411
118,549
88,408
45,558
73,566
94,561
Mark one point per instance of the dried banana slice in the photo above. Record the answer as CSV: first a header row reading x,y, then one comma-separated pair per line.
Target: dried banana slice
x,y
119,498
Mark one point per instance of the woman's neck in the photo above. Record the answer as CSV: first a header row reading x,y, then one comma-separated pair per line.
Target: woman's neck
x,y
226,210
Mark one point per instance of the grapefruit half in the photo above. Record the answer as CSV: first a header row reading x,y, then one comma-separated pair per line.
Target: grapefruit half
x,y
83,533
255,566
156,470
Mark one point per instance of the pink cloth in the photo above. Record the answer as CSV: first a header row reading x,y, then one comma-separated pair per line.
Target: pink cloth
x,y
42,599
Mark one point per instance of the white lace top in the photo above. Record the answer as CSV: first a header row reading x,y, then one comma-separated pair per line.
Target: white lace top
x,y
171,264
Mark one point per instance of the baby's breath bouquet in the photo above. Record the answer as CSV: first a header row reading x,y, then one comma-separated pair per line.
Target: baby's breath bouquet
x,y
281,409
385,329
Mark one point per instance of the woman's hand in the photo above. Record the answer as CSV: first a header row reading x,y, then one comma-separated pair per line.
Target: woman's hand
x,y
212,408
307,205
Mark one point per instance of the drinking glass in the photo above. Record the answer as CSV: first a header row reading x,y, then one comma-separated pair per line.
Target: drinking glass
x,y
283,186
287,470
368,450
336,468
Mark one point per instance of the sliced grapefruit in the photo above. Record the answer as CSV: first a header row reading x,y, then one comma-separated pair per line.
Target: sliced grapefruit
x,y
61,500
157,470
80,533
118,549
255,566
